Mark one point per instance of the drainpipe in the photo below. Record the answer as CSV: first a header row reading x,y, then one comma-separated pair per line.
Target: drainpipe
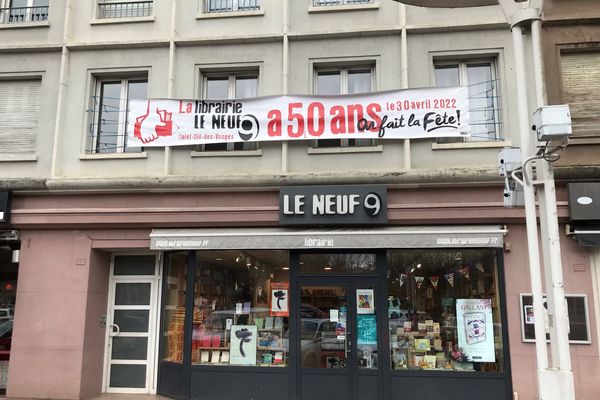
x,y
171,77
62,86
285,77
404,75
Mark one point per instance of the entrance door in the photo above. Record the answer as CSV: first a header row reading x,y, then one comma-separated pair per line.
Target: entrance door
x,y
131,325
339,325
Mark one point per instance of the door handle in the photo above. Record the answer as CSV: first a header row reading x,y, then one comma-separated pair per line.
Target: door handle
x,y
114,330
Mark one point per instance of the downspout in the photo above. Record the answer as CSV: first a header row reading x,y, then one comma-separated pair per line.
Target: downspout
x,y
62,86
285,77
404,75
171,78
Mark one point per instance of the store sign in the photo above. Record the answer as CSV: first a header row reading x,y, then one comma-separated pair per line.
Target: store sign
x,y
475,328
326,205
400,114
584,202
4,207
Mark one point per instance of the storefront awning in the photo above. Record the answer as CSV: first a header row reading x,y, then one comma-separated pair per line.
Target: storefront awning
x,y
588,237
342,238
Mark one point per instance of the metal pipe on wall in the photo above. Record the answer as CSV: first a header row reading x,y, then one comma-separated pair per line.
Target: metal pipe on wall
x,y
285,75
171,79
62,85
404,75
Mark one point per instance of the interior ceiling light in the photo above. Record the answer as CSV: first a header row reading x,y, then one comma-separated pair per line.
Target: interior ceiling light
x,y
327,268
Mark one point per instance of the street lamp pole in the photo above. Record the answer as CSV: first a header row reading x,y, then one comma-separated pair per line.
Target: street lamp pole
x,y
555,381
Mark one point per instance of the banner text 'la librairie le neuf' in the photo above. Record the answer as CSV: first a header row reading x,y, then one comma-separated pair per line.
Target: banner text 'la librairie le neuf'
x,y
404,114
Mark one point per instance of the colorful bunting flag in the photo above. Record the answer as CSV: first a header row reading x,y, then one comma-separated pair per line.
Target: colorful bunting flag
x,y
402,279
419,280
450,278
434,280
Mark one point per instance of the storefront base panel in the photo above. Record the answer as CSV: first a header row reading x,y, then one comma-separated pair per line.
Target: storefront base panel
x,y
463,388
325,386
229,385
170,380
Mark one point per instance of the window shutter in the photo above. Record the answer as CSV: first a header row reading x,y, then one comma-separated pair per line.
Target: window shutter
x,y
19,112
581,90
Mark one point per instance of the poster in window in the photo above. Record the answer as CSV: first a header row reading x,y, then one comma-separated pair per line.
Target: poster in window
x,y
242,348
577,308
475,327
367,329
279,299
365,301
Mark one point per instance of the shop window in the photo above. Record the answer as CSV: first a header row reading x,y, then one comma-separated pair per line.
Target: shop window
x,y
581,90
444,310
124,9
336,81
19,11
219,6
108,129
174,307
480,77
241,308
229,86
19,114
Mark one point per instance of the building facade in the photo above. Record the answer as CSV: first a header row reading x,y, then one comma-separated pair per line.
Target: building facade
x,y
173,270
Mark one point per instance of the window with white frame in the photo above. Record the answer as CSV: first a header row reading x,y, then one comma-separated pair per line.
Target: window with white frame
x,y
481,79
229,85
109,127
19,11
345,80
19,115
219,6
124,9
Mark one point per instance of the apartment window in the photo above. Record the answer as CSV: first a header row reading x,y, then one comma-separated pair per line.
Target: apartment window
x,y
109,128
480,77
19,115
230,86
336,81
318,3
581,90
18,11
218,6
124,9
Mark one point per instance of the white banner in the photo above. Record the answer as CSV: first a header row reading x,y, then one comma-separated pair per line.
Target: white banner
x,y
475,327
405,114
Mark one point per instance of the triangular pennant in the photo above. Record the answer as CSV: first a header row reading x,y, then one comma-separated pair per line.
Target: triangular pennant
x,y
450,278
402,279
479,266
434,280
419,280
464,271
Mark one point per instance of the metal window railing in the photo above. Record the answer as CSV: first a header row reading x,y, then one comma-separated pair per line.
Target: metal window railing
x,y
319,3
125,9
15,15
216,6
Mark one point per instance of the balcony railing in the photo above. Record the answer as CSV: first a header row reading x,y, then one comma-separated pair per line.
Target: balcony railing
x,y
217,6
319,3
125,9
16,15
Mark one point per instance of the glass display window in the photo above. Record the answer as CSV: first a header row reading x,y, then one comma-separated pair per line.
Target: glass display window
x,y
241,308
174,307
444,310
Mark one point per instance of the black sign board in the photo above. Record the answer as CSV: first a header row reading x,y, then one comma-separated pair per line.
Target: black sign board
x,y
584,202
333,205
4,207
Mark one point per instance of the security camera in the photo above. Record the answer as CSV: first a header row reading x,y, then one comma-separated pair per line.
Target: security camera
x,y
552,123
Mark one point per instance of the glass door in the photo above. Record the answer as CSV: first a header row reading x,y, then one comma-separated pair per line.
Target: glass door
x,y
339,345
131,326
